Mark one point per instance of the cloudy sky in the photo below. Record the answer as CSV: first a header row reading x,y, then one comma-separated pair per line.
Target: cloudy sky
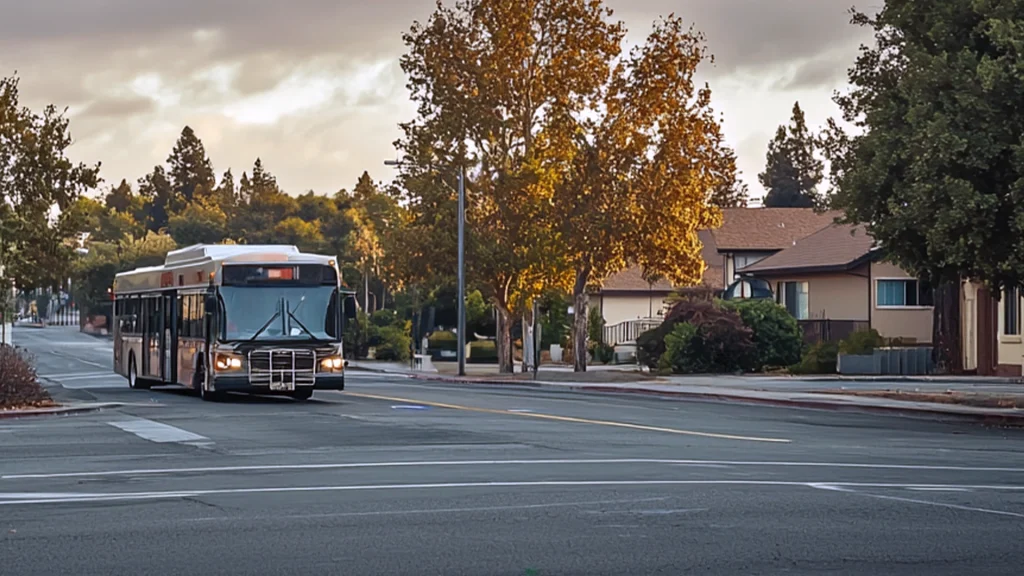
x,y
313,86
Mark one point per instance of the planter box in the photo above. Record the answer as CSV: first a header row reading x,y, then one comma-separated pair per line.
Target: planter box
x,y
915,361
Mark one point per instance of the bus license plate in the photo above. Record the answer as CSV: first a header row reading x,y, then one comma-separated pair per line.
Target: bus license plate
x,y
283,384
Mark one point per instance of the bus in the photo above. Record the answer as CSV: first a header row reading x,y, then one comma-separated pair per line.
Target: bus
x,y
218,318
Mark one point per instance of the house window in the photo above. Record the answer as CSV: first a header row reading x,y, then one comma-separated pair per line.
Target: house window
x,y
904,293
1011,311
793,295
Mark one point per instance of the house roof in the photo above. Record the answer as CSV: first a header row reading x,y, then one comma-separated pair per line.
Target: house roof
x,y
768,228
833,248
632,280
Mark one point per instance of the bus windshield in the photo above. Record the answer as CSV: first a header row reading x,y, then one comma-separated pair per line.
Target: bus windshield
x,y
283,313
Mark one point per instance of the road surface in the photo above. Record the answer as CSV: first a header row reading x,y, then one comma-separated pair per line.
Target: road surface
x,y
397,476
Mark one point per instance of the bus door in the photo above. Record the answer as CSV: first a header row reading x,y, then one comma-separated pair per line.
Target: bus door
x,y
169,337
153,337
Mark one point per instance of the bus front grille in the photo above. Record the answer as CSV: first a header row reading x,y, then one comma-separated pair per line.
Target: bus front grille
x,y
280,368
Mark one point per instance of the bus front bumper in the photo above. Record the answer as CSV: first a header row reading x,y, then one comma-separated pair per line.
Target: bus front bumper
x,y
240,383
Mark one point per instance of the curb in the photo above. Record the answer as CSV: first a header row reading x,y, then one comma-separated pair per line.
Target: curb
x,y
933,379
57,411
1007,419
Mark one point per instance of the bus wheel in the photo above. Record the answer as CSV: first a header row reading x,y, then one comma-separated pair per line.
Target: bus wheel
x,y
207,395
302,394
133,375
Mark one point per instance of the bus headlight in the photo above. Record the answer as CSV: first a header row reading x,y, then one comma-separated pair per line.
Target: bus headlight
x,y
332,364
225,362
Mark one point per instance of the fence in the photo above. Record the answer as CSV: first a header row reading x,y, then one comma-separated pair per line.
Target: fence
x,y
628,331
821,330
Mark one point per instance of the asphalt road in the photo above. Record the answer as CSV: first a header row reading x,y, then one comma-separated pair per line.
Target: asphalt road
x,y
397,476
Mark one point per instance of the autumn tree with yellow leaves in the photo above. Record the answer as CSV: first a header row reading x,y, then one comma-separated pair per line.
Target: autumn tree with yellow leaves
x,y
487,75
644,167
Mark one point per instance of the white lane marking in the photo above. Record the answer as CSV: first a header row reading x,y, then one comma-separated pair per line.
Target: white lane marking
x,y
440,510
157,432
30,498
844,489
418,463
926,489
66,375
62,379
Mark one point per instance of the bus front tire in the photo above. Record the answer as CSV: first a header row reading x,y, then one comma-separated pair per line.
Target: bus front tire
x,y
133,375
206,395
302,394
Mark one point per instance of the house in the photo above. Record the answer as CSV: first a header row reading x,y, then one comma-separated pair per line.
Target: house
x,y
835,282
747,235
990,330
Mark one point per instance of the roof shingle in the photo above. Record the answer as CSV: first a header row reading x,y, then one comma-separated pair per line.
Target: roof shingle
x,y
835,246
768,228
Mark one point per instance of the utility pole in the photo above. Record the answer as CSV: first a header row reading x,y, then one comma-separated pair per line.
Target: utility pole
x,y
461,334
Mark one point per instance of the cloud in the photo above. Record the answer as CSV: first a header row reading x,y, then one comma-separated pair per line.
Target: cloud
x,y
118,107
313,86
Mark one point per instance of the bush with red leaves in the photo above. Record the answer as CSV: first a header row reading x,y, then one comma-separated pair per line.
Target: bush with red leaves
x,y
19,385
722,343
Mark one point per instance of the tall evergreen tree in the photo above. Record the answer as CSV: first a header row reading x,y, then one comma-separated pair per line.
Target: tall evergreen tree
x,y
793,171
731,192
120,197
190,170
160,197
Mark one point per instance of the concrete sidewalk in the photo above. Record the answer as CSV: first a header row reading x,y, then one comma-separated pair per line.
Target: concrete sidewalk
x,y
994,400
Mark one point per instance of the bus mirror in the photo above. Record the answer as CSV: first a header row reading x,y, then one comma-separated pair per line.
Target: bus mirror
x,y
211,303
350,307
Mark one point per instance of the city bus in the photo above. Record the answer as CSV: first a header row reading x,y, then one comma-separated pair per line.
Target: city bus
x,y
229,318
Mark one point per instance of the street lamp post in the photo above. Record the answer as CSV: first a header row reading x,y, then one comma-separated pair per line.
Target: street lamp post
x,y
461,329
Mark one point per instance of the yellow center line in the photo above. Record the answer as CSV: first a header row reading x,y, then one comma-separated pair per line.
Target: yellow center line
x,y
565,418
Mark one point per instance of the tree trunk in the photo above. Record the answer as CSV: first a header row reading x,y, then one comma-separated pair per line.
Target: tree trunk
x,y
580,303
947,351
366,290
504,339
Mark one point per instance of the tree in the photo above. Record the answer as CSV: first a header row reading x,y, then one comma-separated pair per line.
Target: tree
x,y
201,222
121,198
262,205
36,177
160,197
191,173
935,172
793,171
645,161
731,192
485,74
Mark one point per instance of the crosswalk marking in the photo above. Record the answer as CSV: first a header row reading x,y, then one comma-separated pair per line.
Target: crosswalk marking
x,y
156,432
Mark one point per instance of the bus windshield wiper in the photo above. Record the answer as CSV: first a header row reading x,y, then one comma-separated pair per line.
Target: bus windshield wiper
x,y
276,315
292,317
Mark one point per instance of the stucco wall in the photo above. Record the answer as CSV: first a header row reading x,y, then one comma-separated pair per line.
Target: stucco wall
x,y
832,296
618,308
911,323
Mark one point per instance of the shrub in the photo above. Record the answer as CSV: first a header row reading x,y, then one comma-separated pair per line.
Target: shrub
x,y
443,340
722,344
603,353
819,359
393,343
713,345
595,324
862,342
483,351
19,385
356,338
777,335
